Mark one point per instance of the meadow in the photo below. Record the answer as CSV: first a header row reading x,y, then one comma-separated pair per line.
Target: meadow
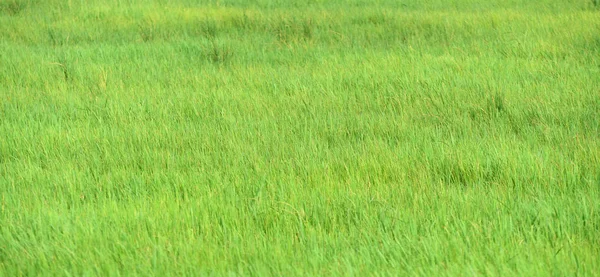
x,y
299,138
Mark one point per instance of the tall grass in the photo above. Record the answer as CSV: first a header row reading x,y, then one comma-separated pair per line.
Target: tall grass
x,y
299,138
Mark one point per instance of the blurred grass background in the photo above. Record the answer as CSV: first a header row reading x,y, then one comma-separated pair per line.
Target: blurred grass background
x,y
299,138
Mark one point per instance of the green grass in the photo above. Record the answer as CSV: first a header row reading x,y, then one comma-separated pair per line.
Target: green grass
x,y
432,138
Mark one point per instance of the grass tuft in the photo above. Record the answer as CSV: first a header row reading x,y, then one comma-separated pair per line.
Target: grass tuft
x,y
13,7
219,53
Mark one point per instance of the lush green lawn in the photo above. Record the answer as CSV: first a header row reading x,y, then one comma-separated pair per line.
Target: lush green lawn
x,y
288,138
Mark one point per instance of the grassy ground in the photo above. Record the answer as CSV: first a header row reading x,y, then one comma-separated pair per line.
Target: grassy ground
x,y
289,138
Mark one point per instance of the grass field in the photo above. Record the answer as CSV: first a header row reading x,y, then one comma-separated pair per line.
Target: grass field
x,y
286,138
